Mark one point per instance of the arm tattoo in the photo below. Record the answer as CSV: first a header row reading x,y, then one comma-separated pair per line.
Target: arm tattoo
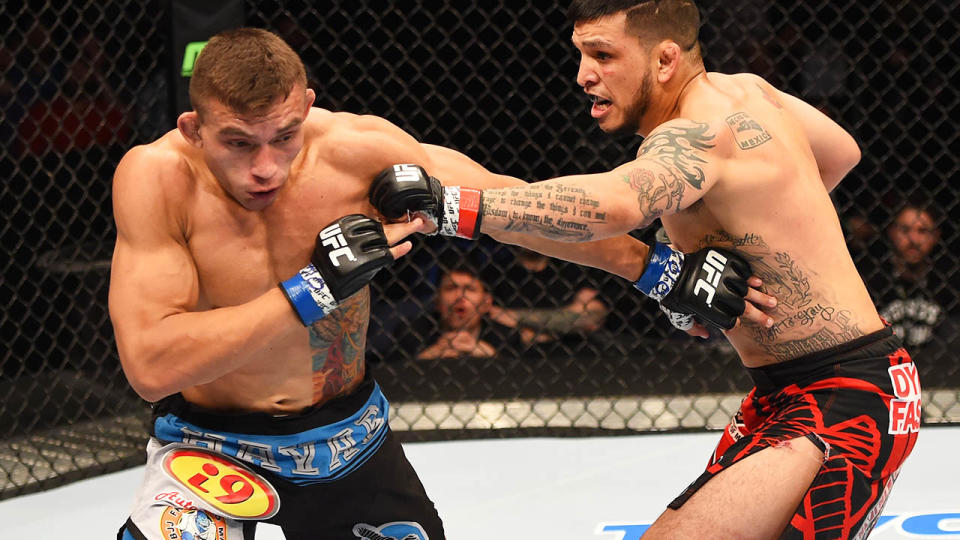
x,y
337,344
679,150
747,131
569,212
555,211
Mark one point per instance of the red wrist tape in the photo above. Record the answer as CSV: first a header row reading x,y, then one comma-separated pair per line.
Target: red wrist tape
x,y
470,213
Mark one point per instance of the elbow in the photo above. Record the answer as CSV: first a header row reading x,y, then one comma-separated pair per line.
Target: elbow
x,y
147,386
149,392
148,383
853,155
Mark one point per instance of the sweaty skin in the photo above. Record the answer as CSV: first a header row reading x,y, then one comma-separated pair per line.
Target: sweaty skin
x,y
194,297
729,162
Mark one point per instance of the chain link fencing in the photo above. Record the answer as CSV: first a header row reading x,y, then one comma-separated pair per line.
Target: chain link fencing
x,y
571,350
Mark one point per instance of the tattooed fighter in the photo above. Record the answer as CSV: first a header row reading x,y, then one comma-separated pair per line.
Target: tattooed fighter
x,y
264,409
729,161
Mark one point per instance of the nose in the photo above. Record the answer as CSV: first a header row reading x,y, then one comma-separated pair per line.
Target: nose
x,y
586,74
264,165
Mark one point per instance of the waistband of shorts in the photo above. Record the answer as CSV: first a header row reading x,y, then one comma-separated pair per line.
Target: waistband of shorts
x,y
262,423
776,376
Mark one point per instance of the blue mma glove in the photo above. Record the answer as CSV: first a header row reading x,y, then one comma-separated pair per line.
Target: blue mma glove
x,y
709,284
348,253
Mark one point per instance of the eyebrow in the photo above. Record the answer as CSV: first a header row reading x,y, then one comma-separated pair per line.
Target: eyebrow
x,y
228,131
595,43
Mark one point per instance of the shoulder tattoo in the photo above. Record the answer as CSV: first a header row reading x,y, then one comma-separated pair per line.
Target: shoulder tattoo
x,y
747,131
679,149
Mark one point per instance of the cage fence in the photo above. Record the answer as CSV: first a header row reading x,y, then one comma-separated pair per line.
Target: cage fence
x,y
573,350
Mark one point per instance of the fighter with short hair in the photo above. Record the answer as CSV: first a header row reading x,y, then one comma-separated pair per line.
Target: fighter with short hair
x,y
239,302
728,162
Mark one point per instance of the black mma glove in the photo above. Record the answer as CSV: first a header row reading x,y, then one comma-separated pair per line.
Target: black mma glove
x,y
709,284
402,188
348,253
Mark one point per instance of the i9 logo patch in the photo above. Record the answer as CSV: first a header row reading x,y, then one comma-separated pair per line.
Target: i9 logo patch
x,y
223,483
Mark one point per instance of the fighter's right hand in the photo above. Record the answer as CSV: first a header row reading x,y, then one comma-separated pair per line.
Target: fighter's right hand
x,y
347,254
403,188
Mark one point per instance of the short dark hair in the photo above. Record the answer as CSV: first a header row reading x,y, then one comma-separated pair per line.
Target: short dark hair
x,y
651,20
246,69
922,205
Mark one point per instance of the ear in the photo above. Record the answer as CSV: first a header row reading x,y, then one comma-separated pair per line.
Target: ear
x,y
189,125
668,60
311,97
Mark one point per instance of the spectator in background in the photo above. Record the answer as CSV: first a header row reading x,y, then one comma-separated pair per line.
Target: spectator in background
x,y
544,288
912,290
462,303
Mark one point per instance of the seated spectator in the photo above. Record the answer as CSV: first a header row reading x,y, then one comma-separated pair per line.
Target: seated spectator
x,y
462,302
913,291
546,299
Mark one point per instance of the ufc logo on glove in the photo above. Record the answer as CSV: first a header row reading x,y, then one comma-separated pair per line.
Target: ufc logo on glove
x,y
406,173
680,282
713,266
332,236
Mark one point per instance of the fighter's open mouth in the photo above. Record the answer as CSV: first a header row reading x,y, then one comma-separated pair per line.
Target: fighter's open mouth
x,y
599,101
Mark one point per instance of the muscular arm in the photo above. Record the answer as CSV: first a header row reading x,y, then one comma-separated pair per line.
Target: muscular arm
x,y
835,150
622,255
377,144
674,168
164,345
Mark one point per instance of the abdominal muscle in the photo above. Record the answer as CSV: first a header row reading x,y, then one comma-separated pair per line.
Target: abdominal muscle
x,y
815,311
311,368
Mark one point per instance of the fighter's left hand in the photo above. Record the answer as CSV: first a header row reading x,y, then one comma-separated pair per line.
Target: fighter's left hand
x,y
756,302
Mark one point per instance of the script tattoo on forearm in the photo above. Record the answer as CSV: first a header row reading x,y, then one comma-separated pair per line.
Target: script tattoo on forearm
x,y
337,344
555,211
806,320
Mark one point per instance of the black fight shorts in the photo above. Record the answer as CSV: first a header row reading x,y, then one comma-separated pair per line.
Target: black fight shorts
x,y
859,403
334,472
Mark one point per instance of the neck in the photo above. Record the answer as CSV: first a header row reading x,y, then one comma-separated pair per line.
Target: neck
x,y
674,95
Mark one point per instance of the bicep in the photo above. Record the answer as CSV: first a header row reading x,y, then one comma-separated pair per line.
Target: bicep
x,y
676,165
152,273
149,283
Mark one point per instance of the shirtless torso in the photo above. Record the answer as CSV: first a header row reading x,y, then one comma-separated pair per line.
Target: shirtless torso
x,y
729,161
211,252
186,248
770,204
734,168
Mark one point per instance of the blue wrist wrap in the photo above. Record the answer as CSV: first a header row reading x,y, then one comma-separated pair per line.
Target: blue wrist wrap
x,y
661,273
309,295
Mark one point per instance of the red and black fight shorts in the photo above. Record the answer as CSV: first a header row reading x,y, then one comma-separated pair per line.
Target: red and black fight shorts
x,y
859,403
